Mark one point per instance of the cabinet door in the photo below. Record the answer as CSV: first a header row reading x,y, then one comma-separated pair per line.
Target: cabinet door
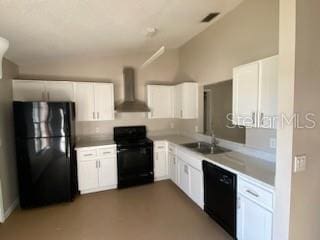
x,y
268,92
60,91
24,90
88,175
173,167
160,164
196,186
189,100
107,172
183,177
178,101
84,98
245,94
160,101
253,222
104,101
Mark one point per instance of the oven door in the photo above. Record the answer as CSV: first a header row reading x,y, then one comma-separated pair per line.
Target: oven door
x,y
135,165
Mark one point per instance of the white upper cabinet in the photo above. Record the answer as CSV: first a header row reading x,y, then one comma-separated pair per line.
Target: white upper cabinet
x,y
94,101
27,90
255,93
268,92
59,91
160,101
84,98
245,94
33,90
104,101
186,100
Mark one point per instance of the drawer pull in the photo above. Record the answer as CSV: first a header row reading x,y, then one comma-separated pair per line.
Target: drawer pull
x,y
252,193
160,147
88,155
107,152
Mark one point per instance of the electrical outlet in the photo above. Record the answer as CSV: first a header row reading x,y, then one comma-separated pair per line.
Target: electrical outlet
x,y
273,143
300,163
196,128
97,130
171,125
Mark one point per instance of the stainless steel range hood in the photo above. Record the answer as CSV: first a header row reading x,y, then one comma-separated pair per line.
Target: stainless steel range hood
x,y
130,103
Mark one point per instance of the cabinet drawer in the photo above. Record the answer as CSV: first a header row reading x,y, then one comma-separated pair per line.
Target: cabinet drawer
x,y
160,146
87,154
106,152
256,193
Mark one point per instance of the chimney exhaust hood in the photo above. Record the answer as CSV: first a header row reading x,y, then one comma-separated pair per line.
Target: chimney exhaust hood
x,y
130,103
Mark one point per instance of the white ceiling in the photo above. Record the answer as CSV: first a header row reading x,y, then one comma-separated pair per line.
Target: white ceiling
x,y
41,30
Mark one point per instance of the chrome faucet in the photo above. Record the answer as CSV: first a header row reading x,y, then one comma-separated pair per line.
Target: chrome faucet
x,y
214,140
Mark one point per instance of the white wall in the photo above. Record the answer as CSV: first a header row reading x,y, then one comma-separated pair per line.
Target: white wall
x,y
305,188
164,70
248,33
8,170
285,105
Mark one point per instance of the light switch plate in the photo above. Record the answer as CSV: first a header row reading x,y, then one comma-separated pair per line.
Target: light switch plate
x,y
273,143
300,163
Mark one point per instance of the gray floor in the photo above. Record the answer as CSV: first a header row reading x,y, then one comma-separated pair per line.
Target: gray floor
x,y
155,211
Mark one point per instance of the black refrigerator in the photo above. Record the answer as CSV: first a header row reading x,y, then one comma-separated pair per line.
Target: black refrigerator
x,y
46,160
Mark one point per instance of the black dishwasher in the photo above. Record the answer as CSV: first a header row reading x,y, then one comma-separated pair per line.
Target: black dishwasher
x,y
220,196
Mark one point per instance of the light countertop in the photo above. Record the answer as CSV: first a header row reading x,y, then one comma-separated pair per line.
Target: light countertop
x,y
256,168
85,143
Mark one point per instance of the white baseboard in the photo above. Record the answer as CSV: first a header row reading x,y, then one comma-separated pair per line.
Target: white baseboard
x,y
99,189
8,212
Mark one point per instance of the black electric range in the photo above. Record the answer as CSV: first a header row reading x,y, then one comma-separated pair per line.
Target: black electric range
x,y
134,156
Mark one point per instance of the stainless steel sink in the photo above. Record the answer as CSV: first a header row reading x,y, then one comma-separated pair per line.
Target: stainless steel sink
x,y
205,148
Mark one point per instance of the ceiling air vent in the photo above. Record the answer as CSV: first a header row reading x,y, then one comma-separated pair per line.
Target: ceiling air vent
x,y
210,16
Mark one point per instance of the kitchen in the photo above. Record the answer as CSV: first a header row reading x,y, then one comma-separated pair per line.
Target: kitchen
x,y
150,123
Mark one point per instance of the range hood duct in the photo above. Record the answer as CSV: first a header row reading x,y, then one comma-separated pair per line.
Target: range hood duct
x,y
130,103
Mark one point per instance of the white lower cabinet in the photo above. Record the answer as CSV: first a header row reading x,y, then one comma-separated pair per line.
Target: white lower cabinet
x,y
196,183
173,167
190,177
160,160
253,221
183,176
254,212
97,169
88,175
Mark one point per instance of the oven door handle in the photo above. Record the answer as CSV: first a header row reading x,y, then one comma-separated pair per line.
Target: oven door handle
x,y
122,150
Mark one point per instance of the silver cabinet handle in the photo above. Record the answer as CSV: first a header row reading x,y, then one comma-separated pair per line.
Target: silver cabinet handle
x,y
48,94
98,115
97,164
186,170
261,118
181,113
252,193
238,203
253,118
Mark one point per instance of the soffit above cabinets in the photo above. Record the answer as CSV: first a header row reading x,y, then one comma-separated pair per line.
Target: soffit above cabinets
x,y
41,30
